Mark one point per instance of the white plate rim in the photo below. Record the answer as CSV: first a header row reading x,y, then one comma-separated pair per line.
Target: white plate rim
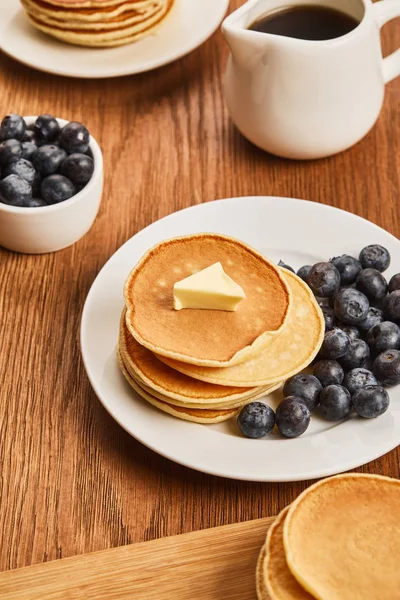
x,y
221,5
230,473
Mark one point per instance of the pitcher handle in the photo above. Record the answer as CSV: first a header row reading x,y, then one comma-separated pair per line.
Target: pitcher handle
x,y
385,11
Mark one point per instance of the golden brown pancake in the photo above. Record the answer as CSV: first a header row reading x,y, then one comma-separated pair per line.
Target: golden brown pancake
x,y
204,416
99,13
342,538
86,3
279,583
179,389
262,593
205,337
289,353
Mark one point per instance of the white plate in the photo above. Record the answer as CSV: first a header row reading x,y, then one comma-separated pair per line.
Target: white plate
x,y
188,25
297,231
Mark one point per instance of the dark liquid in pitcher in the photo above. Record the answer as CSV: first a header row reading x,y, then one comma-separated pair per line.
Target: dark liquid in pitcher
x,y
307,22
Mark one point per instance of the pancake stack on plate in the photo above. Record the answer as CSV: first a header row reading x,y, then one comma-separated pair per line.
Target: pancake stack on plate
x,y
340,540
204,365
97,23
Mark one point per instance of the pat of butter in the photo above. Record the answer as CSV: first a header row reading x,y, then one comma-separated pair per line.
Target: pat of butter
x,y
210,289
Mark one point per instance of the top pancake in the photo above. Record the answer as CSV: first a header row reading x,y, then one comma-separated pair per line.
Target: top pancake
x,y
342,538
210,338
92,3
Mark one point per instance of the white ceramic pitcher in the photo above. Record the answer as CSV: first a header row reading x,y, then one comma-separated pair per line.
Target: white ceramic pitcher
x,y
308,99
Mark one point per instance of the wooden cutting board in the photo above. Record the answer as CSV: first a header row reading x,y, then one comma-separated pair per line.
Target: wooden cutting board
x,y
204,565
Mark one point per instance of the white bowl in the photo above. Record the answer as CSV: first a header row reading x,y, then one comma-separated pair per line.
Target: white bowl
x,y
50,228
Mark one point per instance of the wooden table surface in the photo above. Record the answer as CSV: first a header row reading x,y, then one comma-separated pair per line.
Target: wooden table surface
x,y
71,479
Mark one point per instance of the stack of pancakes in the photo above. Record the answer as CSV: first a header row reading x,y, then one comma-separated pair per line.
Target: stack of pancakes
x,y
97,23
204,365
340,540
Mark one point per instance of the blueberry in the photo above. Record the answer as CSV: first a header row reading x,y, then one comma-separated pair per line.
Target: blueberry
x,y
23,168
256,420
48,158
78,168
375,257
28,150
10,150
329,372
15,191
356,356
304,272
357,378
335,403
29,136
292,417
385,336
374,317
373,284
74,137
351,331
46,128
348,267
285,266
371,401
336,343
36,203
394,283
351,306
387,367
329,317
12,127
324,279
305,387
391,307
56,188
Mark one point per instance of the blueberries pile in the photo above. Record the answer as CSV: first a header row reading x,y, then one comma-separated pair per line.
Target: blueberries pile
x,y
360,354
43,164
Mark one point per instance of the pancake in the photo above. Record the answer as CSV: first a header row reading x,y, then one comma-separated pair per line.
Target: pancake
x,y
277,579
205,337
203,416
99,13
104,22
165,383
78,4
103,35
342,538
290,352
262,593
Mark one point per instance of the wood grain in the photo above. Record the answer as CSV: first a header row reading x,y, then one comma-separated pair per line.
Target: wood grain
x,y
206,565
72,481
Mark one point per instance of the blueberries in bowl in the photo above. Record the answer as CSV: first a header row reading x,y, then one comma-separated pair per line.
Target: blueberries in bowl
x,y
74,137
351,331
375,257
285,266
292,417
351,306
358,378
373,284
12,127
335,403
305,387
329,316
46,128
371,401
304,272
10,150
324,279
387,367
15,191
55,162
348,267
57,188
256,420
